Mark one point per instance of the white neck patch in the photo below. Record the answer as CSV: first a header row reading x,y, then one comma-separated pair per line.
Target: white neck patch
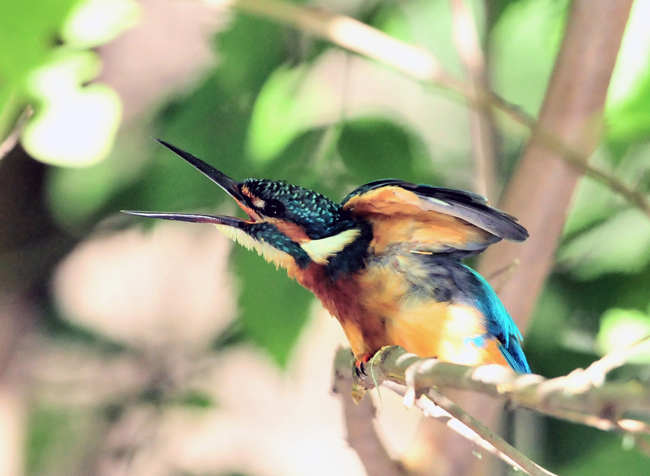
x,y
269,253
320,250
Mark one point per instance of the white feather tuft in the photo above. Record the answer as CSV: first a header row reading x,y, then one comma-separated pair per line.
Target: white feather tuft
x,y
269,253
320,250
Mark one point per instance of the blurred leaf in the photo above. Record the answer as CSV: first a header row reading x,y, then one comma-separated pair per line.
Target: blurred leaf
x,y
594,202
630,120
608,457
619,328
375,149
427,24
620,244
195,399
211,121
250,50
73,126
59,440
29,31
628,97
524,44
278,117
95,22
79,196
274,308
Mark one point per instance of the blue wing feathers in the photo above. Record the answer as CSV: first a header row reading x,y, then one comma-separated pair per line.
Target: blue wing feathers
x,y
450,280
499,322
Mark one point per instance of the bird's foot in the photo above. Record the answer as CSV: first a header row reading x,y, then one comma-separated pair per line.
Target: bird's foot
x,y
362,379
360,366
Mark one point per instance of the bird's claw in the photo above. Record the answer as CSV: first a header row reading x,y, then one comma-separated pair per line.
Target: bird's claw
x,y
360,369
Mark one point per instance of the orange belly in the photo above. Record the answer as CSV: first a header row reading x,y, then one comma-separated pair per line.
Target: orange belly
x,y
452,332
375,310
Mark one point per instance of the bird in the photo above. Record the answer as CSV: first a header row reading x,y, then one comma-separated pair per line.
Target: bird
x,y
387,261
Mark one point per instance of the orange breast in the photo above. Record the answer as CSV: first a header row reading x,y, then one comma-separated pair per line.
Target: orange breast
x,y
451,332
375,309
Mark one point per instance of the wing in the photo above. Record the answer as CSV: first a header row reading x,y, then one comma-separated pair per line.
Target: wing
x,y
499,323
430,219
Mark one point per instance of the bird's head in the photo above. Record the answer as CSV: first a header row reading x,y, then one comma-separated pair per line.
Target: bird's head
x,y
288,225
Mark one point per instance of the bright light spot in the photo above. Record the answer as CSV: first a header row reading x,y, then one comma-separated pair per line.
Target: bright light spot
x,y
619,328
95,22
368,41
632,63
73,126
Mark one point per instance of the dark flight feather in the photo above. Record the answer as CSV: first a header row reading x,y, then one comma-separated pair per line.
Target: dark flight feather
x,y
467,206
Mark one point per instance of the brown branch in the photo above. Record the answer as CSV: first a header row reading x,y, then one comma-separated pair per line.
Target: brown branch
x,y
541,189
612,406
362,436
359,420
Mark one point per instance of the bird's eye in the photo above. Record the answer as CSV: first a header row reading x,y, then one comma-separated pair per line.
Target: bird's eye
x,y
273,208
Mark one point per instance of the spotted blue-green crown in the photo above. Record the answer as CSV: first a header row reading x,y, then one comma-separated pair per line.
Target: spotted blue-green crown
x,y
315,213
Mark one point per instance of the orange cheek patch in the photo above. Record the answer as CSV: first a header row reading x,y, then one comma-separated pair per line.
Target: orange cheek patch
x,y
293,231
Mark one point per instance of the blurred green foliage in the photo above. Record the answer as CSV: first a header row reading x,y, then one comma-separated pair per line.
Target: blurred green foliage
x,y
245,117
74,123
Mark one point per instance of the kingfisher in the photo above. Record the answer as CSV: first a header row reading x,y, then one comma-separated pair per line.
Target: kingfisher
x,y
386,261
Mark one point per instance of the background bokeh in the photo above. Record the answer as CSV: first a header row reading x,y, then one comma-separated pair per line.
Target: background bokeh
x,y
129,347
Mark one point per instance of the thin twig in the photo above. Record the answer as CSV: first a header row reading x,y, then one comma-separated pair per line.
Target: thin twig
x,y
465,425
421,65
596,373
12,139
352,35
487,435
506,274
481,118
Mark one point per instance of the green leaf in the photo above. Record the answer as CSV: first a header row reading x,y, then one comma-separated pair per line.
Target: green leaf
x,y
620,244
195,399
375,149
34,69
607,458
274,308
95,22
288,105
524,45
29,31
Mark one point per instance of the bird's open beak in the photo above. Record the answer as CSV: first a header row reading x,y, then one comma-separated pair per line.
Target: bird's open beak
x,y
226,183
